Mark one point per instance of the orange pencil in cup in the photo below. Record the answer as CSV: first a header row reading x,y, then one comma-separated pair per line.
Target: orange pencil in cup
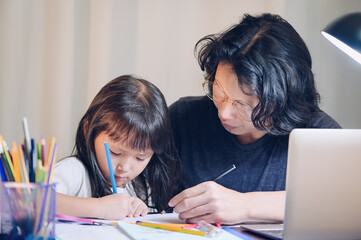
x,y
16,164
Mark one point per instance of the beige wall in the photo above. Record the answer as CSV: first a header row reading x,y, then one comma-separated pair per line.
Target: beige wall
x,y
56,55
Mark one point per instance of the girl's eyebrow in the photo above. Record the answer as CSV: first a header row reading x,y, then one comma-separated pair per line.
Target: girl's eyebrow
x,y
116,148
146,153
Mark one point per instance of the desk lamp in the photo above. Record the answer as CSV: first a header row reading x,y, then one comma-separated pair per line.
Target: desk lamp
x,y
345,33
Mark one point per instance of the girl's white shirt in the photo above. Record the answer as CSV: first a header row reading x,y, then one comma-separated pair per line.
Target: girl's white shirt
x,y
72,179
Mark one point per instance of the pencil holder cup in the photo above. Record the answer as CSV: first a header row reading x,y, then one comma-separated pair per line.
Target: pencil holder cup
x,y
27,211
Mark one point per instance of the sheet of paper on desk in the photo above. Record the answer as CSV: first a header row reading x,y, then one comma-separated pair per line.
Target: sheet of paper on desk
x,y
137,232
156,218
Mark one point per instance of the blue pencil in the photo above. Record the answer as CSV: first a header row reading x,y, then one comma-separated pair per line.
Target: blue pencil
x,y
32,161
2,171
110,167
26,158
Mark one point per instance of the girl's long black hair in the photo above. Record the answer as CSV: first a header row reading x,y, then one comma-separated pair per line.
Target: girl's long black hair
x,y
132,110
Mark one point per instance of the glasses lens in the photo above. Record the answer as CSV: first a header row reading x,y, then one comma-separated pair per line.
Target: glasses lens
x,y
243,110
216,92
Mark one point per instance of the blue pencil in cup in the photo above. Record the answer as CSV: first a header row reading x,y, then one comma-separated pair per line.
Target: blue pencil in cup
x,y
110,167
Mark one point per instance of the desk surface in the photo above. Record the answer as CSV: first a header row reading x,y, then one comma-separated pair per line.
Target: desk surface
x,y
73,231
250,234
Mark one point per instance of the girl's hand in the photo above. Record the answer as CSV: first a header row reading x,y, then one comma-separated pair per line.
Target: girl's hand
x,y
114,206
138,208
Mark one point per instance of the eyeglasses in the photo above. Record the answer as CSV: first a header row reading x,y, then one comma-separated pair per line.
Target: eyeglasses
x,y
214,91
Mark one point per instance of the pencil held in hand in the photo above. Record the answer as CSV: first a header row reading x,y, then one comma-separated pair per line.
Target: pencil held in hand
x,y
112,178
228,170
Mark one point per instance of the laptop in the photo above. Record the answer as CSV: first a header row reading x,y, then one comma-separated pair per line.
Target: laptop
x,y
323,187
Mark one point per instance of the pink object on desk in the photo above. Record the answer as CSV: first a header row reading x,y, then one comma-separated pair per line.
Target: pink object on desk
x,y
75,219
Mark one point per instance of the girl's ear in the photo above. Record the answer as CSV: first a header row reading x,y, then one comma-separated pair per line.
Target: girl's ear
x,y
85,128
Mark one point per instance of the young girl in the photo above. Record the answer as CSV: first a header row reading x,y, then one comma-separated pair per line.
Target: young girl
x,y
132,116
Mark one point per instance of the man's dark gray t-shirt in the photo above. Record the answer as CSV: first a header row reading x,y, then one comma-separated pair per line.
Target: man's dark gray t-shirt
x,y
206,149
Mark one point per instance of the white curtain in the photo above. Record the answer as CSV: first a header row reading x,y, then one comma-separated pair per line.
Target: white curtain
x,y
55,55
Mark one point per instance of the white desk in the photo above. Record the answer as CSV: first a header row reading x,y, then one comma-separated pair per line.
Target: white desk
x,y
66,231
72,231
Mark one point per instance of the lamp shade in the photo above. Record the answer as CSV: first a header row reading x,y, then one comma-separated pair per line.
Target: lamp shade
x,y
345,33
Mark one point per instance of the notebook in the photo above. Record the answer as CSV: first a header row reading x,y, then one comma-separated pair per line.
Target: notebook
x,y
323,187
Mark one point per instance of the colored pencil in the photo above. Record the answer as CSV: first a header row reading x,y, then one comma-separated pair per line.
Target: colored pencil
x,y
21,169
16,163
5,165
34,153
170,228
66,218
50,151
22,161
42,142
228,170
27,149
52,164
39,172
26,159
110,167
2,170
39,155
7,157
27,135
74,219
39,227
32,161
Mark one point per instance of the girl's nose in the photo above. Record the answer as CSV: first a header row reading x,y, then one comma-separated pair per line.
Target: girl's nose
x,y
123,165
